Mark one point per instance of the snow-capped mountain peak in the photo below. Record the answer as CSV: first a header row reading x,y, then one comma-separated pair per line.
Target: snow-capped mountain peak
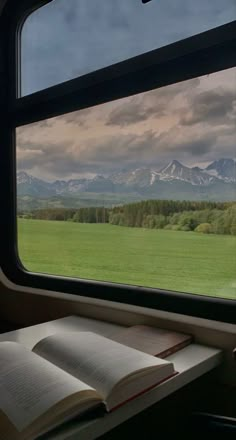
x,y
177,171
224,169
142,177
23,177
172,168
30,185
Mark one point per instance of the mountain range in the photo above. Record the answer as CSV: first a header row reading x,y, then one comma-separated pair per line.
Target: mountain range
x,y
175,181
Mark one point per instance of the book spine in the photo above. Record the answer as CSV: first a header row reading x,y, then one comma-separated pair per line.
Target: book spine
x,y
174,349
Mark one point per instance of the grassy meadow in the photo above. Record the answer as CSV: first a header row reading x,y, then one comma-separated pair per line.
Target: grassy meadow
x,y
175,260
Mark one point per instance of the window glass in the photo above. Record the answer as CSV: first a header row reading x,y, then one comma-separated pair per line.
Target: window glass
x,y
139,191
65,39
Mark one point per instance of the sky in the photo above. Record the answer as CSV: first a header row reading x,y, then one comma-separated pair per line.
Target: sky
x,y
68,38
193,121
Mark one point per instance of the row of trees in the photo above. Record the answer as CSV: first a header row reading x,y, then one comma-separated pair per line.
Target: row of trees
x,y
205,217
81,215
163,207
206,221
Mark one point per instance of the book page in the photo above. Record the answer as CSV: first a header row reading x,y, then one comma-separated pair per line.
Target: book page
x,y
95,359
30,385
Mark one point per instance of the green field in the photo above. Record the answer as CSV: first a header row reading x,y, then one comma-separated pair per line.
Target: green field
x,y
181,261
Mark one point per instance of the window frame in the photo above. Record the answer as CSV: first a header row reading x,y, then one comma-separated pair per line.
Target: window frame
x,y
205,53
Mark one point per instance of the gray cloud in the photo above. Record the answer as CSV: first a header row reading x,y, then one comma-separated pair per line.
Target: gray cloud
x,y
55,159
154,103
111,154
77,118
173,144
70,13
115,152
213,107
21,131
197,147
105,156
133,112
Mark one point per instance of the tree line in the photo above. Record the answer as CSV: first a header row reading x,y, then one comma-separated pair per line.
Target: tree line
x,y
81,215
205,217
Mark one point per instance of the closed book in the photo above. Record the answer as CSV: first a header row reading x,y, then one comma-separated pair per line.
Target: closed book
x,y
151,340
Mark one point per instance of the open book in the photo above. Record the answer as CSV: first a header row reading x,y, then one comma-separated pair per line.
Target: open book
x,y
68,375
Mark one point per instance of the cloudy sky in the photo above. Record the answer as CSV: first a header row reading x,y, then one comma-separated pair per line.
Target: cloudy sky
x,y
193,122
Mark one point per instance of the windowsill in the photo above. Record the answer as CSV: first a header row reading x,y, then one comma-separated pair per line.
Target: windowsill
x,y
105,307
191,362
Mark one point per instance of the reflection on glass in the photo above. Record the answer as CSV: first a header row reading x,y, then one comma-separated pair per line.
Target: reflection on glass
x,y
65,39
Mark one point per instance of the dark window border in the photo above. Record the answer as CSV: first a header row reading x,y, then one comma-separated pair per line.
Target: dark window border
x,y
205,53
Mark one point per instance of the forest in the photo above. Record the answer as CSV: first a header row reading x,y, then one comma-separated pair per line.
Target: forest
x,y
203,217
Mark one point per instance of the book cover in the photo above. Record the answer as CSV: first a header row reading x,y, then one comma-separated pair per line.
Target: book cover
x,y
151,340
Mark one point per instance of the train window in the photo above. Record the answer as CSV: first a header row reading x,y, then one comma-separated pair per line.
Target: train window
x,y
140,190
66,39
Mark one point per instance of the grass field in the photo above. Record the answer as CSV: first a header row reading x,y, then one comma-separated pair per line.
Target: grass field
x,y
181,261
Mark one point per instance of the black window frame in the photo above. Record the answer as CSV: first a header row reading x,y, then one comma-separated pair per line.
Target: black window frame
x,y
202,54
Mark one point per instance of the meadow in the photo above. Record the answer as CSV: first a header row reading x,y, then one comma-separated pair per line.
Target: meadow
x,y
173,260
